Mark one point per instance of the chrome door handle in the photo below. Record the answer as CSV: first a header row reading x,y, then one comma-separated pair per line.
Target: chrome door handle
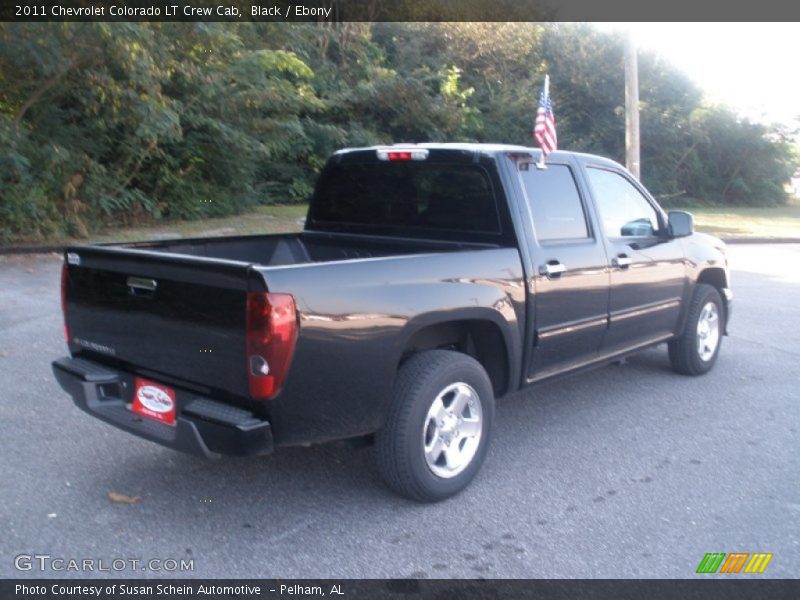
x,y
622,261
139,286
552,269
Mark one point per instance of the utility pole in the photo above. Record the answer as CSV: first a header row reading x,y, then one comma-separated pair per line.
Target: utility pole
x,y
631,107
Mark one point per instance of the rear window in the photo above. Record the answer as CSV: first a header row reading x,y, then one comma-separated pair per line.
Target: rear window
x,y
412,196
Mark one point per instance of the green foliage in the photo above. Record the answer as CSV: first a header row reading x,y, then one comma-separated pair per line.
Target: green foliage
x,y
124,124
26,209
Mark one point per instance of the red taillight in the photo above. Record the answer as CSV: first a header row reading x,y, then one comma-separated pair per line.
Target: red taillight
x,y
399,155
64,281
271,337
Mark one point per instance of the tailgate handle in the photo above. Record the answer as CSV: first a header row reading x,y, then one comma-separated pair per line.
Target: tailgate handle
x,y
139,286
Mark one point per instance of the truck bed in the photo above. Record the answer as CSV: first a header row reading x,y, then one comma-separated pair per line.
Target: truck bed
x,y
300,248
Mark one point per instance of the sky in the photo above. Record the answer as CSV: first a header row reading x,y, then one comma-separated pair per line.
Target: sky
x,y
751,67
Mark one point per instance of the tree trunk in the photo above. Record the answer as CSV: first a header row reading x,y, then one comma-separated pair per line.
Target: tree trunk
x,y
42,90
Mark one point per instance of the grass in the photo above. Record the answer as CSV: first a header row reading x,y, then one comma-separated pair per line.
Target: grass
x,y
749,222
264,219
728,222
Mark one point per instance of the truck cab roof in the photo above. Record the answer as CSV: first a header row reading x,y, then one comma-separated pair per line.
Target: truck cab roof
x,y
486,149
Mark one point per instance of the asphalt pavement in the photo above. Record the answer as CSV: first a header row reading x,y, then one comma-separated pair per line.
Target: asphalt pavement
x,y
625,471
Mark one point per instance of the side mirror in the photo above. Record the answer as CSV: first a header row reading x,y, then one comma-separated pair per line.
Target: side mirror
x,y
681,223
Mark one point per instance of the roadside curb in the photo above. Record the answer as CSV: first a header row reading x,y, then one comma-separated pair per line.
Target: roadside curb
x,y
44,249
761,240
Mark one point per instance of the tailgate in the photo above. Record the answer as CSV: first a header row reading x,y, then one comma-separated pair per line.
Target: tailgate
x,y
159,313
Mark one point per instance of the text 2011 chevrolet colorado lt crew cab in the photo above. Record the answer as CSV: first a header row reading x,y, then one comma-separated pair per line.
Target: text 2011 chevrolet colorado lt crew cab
x,y
429,280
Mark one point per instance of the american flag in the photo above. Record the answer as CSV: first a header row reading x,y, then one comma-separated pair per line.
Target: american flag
x,y
545,128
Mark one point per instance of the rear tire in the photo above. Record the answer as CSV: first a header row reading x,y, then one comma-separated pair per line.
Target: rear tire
x,y
438,427
697,348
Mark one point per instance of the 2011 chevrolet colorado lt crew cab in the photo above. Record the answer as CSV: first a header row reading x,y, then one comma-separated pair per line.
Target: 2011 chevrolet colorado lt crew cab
x,y
429,280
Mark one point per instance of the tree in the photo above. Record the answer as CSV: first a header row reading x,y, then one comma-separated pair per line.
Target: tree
x,y
104,124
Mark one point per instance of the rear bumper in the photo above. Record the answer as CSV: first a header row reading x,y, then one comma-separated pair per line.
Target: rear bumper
x,y
203,426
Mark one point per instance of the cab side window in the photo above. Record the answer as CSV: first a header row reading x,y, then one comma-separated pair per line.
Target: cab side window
x,y
624,211
555,203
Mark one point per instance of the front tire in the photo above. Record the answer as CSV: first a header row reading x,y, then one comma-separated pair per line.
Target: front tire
x,y
697,348
437,432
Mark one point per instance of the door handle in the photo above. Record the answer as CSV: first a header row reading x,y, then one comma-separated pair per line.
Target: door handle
x,y
622,261
552,269
139,286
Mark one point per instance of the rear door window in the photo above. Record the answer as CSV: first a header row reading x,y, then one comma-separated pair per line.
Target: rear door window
x,y
555,203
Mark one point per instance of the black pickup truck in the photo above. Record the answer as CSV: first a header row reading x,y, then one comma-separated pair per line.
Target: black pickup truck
x,y
429,280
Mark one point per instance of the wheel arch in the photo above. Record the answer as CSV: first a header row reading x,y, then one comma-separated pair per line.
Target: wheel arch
x,y
479,337
717,277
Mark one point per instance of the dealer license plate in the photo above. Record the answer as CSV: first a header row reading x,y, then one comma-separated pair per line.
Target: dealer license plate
x,y
154,401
